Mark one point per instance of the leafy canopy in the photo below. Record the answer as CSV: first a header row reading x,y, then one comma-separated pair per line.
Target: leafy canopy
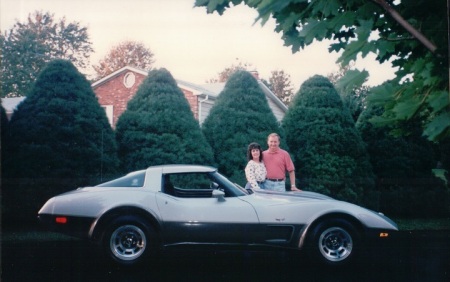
x,y
127,53
27,47
412,34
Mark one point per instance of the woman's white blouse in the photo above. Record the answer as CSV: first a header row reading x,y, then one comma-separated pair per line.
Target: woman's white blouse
x,y
255,172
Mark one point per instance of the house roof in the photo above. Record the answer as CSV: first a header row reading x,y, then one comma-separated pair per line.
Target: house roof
x,y
10,104
212,90
197,89
117,73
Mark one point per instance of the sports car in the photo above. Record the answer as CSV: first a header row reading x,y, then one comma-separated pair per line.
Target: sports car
x,y
143,213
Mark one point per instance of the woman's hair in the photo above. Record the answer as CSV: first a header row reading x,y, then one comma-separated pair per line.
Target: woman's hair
x,y
252,146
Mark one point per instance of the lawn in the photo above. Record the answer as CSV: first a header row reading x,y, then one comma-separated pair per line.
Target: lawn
x,y
423,223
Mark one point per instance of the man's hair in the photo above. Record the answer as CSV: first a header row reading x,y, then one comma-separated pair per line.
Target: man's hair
x,y
274,135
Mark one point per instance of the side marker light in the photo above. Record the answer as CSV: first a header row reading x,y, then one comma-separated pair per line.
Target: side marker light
x,y
384,235
61,220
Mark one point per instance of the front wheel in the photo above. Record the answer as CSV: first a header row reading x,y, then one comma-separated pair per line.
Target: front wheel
x,y
129,240
334,242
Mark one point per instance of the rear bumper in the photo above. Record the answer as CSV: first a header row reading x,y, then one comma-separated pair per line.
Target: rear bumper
x,y
70,225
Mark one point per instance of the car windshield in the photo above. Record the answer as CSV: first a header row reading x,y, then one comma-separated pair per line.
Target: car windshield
x,y
233,188
135,179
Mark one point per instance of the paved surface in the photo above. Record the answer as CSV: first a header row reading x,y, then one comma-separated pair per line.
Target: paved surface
x,y
415,256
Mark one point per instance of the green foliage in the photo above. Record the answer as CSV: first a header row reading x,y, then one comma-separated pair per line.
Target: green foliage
x,y
127,53
241,115
360,27
158,127
280,85
225,74
403,166
328,151
352,93
3,129
59,139
28,47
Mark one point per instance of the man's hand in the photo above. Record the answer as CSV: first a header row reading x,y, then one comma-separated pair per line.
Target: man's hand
x,y
293,188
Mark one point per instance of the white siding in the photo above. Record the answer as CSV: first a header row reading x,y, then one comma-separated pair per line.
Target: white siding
x,y
277,111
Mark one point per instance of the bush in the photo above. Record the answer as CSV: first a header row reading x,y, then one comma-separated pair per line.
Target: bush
x,y
403,166
59,139
241,115
158,127
328,151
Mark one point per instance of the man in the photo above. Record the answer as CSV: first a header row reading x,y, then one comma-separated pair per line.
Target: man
x,y
277,162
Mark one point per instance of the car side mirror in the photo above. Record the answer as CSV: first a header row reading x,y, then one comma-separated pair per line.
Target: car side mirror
x,y
214,185
220,195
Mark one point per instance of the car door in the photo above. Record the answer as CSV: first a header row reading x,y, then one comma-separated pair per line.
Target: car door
x,y
194,213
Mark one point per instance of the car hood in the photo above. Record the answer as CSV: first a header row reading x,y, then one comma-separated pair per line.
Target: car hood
x,y
294,207
295,196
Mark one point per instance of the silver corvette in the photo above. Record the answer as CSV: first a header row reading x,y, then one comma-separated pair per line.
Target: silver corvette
x,y
144,212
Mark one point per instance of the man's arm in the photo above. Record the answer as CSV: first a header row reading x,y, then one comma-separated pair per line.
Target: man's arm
x,y
292,178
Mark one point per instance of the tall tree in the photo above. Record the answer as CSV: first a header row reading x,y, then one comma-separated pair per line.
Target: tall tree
x,y
225,74
59,139
413,35
127,53
241,115
280,85
329,153
349,84
158,127
27,47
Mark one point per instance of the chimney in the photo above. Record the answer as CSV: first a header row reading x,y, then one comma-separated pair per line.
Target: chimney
x,y
255,74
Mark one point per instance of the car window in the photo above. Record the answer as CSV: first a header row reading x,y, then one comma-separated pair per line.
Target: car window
x,y
130,180
191,181
189,185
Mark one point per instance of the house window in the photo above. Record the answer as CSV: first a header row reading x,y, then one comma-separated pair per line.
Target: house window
x,y
129,79
109,113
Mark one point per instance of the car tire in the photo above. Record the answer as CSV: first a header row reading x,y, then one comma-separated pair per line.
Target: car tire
x,y
334,242
129,240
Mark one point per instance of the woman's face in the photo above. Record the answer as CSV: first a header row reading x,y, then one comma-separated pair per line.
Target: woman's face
x,y
255,154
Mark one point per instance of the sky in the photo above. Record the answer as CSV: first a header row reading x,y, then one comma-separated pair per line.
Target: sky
x,y
192,45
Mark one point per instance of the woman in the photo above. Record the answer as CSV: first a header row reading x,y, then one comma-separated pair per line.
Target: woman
x,y
255,171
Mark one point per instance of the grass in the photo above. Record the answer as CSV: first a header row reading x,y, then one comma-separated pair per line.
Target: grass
x,y
33,236
411,224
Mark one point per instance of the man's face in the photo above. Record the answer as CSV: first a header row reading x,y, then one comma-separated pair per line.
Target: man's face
x,y
273,143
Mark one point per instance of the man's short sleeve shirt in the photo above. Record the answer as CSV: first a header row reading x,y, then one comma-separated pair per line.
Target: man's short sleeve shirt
x,y
277,163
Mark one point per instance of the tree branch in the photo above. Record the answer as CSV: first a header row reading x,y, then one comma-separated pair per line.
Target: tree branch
x,y
414,32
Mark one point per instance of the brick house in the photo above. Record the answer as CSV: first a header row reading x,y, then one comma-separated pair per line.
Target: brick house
x,y
115,90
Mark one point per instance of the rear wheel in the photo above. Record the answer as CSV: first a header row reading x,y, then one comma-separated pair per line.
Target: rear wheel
x,y
129,240
334,242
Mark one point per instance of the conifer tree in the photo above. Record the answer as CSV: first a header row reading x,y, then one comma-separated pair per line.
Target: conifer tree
x,y
59,138
241,115
329,154
158,127
3,132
